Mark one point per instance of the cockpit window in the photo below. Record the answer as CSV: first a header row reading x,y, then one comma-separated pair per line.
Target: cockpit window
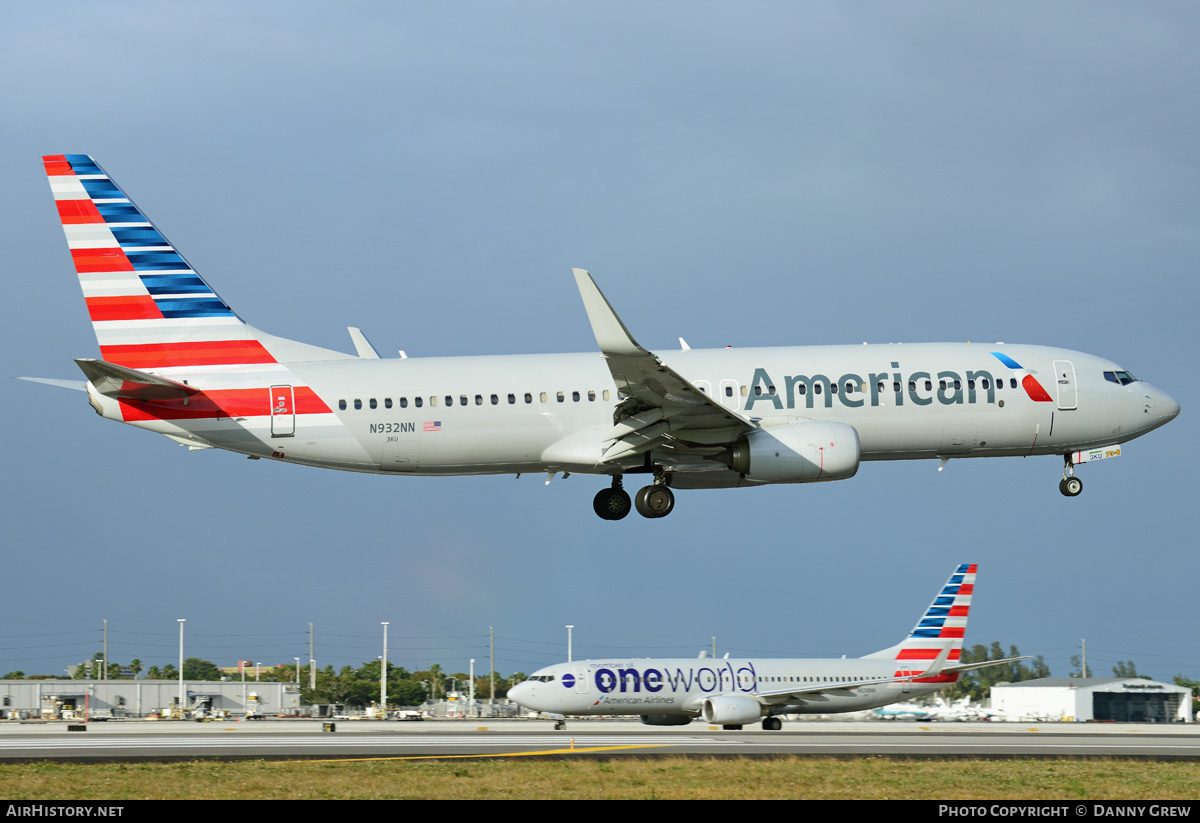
x,y
1123,378
540,678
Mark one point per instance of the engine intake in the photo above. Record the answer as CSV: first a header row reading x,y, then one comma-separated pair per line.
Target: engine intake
x,y
730,710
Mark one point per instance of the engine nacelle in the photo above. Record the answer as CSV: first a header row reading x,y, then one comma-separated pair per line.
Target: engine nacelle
x,y
731,710
666,719
808,452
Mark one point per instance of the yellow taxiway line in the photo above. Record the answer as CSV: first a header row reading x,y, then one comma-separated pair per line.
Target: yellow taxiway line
x,y
498,754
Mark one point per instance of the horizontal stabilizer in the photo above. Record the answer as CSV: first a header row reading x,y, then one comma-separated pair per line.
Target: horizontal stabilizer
x,y
77,385
112,380
966,667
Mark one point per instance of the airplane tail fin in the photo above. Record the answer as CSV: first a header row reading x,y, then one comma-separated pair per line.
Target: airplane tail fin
x,y
936,641
149,307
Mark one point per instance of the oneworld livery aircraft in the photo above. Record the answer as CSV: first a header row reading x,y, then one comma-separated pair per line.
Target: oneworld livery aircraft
x,y
175,359
732,693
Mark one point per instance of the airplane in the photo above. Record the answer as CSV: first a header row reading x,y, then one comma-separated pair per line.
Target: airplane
x,y
732,693
175,359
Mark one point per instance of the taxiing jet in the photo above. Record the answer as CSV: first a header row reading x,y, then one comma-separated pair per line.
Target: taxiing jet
x,y
175,359
732,693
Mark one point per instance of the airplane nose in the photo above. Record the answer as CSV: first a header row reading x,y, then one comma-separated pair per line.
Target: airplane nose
x,y
519,691
1168,407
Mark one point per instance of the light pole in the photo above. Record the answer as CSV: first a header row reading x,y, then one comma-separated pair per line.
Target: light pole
x,y
383,674
569,629
471,689
181,621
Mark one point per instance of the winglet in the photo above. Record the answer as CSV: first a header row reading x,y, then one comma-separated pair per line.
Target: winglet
x,y
362,345
611,334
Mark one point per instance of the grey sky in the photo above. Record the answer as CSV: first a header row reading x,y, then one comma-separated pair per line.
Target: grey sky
x,y
749,174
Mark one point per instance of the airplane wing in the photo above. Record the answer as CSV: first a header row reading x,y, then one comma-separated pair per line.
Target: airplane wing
x,y
112,380
662,408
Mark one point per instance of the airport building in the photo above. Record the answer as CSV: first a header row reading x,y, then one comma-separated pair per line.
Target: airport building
x,y
1118,699
70,699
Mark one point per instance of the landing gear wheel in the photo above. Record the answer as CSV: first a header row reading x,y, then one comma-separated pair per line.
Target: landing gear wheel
x,y
772,724
1070,486
655,501
560,725
612,504
732,727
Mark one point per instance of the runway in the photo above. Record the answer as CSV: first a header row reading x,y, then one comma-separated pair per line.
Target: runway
x,y
304,739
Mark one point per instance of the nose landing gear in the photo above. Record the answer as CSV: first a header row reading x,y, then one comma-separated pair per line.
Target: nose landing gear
x,y
1070,485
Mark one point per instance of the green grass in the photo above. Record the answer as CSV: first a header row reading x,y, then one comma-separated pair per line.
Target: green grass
x,y
627,777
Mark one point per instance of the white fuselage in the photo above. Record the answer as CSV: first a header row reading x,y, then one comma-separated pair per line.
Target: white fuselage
x,y
680,686
523,413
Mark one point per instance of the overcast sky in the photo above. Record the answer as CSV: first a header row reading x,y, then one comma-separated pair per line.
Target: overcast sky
x,y
736,174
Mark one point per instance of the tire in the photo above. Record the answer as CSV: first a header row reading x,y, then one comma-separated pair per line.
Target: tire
x,y
1071,486
612,504
655,501
772,724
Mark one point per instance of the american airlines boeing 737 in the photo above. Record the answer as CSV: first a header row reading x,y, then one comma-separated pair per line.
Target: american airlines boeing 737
x,y
175,359
733,693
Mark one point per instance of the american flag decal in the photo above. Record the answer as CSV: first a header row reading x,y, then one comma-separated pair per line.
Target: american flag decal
x,y
433,425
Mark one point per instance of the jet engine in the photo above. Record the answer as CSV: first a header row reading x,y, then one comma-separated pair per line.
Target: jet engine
x,y
666,719
731,710
806,452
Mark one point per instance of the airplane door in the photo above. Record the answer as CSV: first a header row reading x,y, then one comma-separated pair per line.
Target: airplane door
x,y
401,456
283,411
581,680
1064,376
730,398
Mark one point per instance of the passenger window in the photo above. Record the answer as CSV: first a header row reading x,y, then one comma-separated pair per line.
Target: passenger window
x,y
357,404
745,391
758,391
575,396
607,394
373,404
816,388
912,385
404,402
479,400
771,390
512,398
528,397
833,388
1012,382
462,400
928,385
591,396
342,403
387,402
803,389
544,397
729,391
970,385
942,385
496,400
417,401
896,386
958,385
432,400
449,401
561,397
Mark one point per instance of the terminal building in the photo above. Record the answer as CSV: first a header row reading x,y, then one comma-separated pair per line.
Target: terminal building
x,y
100,699
1117,699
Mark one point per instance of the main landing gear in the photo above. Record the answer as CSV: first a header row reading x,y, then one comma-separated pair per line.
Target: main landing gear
x,y
772,724
656,500
1070,485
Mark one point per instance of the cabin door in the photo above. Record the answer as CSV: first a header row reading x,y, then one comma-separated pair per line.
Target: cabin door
x,y
1064,376
283,411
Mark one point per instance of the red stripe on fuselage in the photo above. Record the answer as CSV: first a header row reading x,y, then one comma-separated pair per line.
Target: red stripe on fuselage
x,y
219,403
94,260
126,307
208,353
77,211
